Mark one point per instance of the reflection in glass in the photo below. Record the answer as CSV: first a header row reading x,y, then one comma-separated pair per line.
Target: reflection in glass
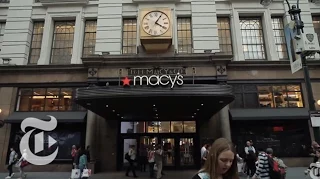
x,y
186,151
176,126
252,38
139,127
189,126
294,99
164,126
127,127
265,96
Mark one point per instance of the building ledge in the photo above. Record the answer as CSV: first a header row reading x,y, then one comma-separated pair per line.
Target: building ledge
x,y
157,59
42,68
56,2
269,64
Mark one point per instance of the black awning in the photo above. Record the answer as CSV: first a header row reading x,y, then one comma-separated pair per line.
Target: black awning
x,y
190,101
62,117
269,114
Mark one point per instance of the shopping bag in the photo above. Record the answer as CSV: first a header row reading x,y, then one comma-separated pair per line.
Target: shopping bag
x,y
86,173
75,174
155,167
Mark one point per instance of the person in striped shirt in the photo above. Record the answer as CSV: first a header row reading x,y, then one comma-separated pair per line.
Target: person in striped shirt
x,y
262,171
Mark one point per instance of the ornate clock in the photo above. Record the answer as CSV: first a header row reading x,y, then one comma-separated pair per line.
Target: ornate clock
x,y
155,23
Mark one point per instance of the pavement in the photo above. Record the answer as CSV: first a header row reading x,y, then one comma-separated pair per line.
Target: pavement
x,y
292,173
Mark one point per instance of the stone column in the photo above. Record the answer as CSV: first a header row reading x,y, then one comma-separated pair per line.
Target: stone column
x,y
45,55
78,39
90,133
225,124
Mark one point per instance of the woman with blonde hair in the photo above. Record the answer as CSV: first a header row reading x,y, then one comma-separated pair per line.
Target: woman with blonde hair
x,y
221,162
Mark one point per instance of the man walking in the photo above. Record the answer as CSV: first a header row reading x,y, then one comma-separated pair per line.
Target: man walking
x,y
263,169
13,157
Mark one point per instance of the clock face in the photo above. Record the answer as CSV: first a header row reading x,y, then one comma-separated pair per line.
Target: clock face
x,y
155,23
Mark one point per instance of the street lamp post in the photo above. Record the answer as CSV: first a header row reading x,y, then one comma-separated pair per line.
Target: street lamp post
x,y
295,15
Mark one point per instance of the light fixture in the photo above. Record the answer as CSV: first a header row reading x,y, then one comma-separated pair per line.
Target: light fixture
x,y
6,60
154,105
0,111
107,105
195,113
201,104
192,116
318,102
198,109
265,3
113,110
118,114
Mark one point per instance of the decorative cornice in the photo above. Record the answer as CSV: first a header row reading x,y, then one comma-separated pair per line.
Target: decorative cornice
x,y
156,59
269,64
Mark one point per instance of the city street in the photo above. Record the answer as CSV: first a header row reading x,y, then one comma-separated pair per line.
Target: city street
x,y
293,173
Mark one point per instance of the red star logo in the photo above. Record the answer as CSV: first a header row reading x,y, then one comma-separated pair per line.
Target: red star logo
x,y
126,81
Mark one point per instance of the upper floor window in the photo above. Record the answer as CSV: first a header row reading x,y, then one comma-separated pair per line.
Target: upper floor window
x,y
252,38
280,40
224,32
4,1
89,43
269,96
316,25
36,42
46,99
184,35
129,36
2,28
62,45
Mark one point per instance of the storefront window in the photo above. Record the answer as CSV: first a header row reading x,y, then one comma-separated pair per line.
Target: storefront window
x,y
164,127
66,135
189,126
274,134
46,99
267,96
158,127
176,126
153,127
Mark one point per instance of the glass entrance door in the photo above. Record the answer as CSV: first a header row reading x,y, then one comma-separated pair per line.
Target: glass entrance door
x,y
186,152
168,145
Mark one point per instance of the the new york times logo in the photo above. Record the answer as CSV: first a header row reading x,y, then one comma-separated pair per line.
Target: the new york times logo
x,y
38,139
314,170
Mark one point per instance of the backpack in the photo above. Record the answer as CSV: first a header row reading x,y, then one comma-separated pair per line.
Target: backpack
x,y
127,157
276,171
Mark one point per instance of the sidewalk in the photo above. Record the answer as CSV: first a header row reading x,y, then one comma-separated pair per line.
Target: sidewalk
x,y
293,173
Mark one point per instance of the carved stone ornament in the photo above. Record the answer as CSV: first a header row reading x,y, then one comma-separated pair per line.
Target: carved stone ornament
x,y
92,72
221,70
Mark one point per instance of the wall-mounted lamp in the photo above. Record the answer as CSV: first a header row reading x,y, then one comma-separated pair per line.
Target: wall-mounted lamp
x,y
318,102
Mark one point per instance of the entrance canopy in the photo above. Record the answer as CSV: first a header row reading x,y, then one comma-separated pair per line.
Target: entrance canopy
x,y
187,102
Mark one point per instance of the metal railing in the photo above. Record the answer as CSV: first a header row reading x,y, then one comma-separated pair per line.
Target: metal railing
x,y
4,1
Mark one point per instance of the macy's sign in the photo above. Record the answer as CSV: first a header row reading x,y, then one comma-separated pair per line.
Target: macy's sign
x,y
155,80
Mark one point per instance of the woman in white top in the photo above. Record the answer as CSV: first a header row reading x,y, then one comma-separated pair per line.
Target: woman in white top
x,y
250,159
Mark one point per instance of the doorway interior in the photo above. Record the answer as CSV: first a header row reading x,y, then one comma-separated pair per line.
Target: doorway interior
x,y
179,144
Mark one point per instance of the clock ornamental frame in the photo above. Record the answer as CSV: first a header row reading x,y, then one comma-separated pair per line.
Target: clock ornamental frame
x,y
155,23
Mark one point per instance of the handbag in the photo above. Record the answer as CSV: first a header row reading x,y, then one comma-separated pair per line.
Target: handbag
x,y
24,163
75,174
155,167
86,173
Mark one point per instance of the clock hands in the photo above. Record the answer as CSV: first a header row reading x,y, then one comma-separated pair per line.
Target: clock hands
x,y
158,23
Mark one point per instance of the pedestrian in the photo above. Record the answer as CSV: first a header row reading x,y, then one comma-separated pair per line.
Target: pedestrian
x,y
22,163
250,158
83,161
73,154
88,153
221,162
131,160
262,170
151,160
159,160
13,158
